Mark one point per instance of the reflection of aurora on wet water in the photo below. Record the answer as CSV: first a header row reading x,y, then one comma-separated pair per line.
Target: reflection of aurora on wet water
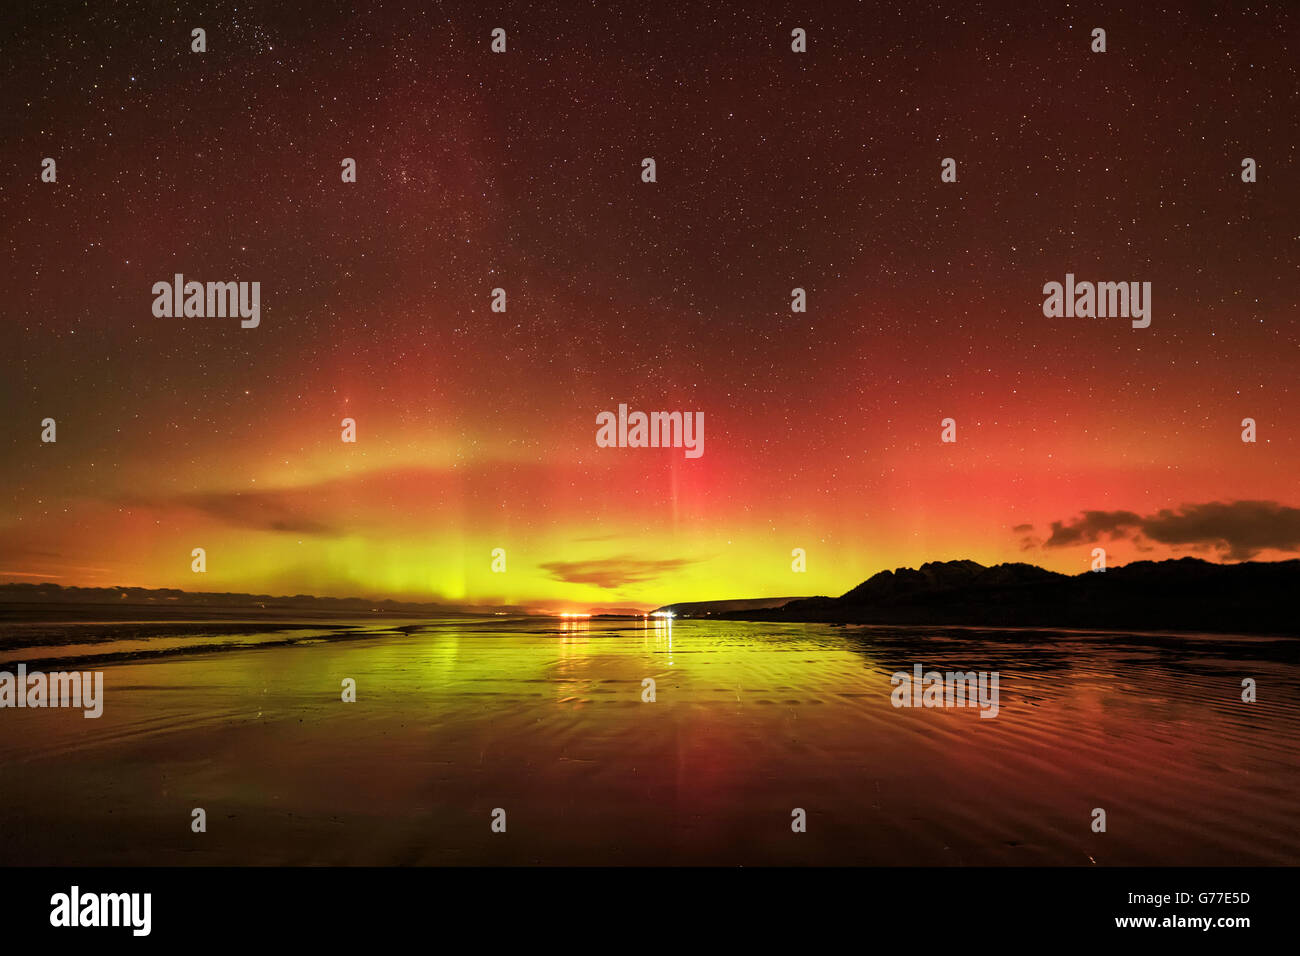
x,y
551,719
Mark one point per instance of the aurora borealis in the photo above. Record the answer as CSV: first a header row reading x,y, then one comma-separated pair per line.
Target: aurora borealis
x,y
521,170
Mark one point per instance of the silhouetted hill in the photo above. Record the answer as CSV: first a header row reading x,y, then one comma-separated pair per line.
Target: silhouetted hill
x,y
1183,594
715,608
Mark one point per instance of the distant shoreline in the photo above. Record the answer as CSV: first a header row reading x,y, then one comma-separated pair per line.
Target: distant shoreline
x,y
1186,595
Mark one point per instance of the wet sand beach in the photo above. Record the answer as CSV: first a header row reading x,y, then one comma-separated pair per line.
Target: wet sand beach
x,y
545,720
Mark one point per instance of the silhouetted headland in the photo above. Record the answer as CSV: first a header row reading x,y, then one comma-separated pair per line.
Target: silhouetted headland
x,y
1186,594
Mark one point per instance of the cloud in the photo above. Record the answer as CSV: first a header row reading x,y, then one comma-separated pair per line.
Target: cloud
x,y
1237,529
613,572
1092,526
262,510
487,494
271,510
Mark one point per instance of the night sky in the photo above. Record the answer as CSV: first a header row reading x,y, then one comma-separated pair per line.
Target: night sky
x,y
522,170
